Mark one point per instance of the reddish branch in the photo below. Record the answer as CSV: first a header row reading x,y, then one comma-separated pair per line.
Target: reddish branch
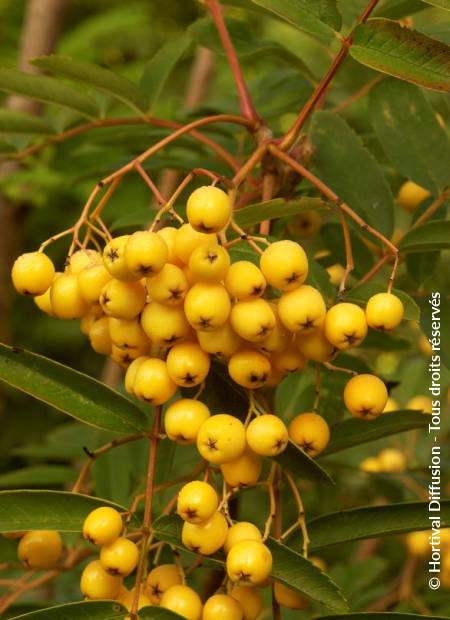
x,y
321,88
247,109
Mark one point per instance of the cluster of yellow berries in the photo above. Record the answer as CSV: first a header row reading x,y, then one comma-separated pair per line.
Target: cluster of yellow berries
x,y
170,300
205,531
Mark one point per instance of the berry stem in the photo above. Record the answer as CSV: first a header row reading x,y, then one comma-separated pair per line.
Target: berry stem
x,y
301,511
320,90
349,264
247,109
147,521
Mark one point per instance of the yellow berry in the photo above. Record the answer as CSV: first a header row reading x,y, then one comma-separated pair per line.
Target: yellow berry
x,y
222,607
183,420
392,460
197,501
126,598
169,286
164,325
243,530
391,405
244,280
119,557
208,209
65,298
97,584
81,259
288,597
243,471
370,465
267,435
424,344
32,273
160,579
302,310
222,341
122,300
253,320
91,281
187,364
146,254
127,333
114,258
411,195
130,375
422,403
40,549
209,262
168,234
205,537
365,396
345,325
336,273
207,306
102,526
221,439
279,338
249,368
99,336
124,357
250,600
153,383
384,311
289,360
184,601
314,346
187,239
284,265
44,302
310,432
249,562
418,543
305,224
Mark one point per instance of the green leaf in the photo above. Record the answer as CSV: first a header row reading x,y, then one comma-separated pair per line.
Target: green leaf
x,y
70,391
158,69
20,122
158,613
38,475
319,278
396,9
48,90
84,610
385,46
276,208
335,162
410,134
47,510
351,433
427,237
441,4
295,571
380,615
428,315
360,295
288,566
316,16
97,77
373,522
302,465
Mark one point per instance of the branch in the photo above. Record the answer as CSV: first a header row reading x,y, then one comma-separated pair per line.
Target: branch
x,y
321,88
331,195
247,109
